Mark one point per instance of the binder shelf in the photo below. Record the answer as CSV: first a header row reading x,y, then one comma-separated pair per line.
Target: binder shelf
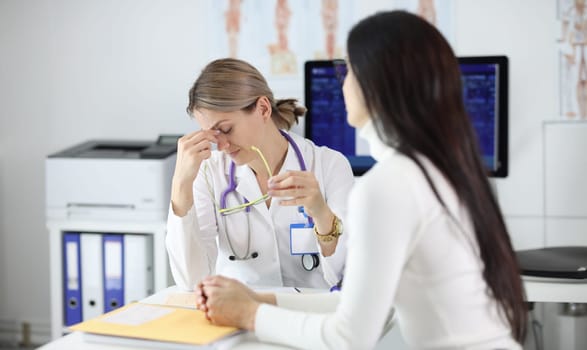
x,y
97,268
106,207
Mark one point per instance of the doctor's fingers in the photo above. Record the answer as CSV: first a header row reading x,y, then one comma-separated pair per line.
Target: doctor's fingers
x,y
296,194
291,174
199,135
293,179
197,140
299,188
202,150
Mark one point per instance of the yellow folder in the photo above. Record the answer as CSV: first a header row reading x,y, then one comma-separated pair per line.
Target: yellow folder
x,y
156,322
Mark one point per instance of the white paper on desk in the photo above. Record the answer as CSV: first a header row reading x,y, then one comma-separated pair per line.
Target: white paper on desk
x,y
138,315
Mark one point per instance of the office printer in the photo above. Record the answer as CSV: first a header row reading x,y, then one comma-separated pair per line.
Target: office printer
x,y
111,180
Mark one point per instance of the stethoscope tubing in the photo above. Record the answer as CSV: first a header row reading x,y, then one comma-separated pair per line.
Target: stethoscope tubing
x,y
231,174
232,187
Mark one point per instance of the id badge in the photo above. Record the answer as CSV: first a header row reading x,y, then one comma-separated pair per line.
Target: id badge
x,y
302,240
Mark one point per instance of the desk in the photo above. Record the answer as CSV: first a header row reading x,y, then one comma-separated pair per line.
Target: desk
x,y
552,290
247,341
537,290
75,340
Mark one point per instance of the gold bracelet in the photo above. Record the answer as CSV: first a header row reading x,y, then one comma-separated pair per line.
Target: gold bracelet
x,y
334,233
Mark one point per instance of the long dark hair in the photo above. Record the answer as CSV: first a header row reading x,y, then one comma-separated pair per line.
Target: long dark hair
x,y
410,79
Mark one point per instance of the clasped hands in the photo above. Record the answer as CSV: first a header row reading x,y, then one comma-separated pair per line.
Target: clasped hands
x,y
227,302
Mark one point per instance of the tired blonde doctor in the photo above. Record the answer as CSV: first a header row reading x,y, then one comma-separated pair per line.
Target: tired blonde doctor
x,y
267,207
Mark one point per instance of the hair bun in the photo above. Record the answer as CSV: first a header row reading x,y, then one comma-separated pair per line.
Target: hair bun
x,y
288,112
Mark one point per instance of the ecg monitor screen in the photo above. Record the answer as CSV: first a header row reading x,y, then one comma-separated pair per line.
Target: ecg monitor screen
x,y
485,95
326,123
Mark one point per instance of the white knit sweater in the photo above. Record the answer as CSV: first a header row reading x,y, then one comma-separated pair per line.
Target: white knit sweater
x,y
404,252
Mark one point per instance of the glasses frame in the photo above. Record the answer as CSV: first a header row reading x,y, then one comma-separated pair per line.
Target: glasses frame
x,y
246,205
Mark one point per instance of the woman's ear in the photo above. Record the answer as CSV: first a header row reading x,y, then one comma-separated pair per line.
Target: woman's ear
x,y
264,107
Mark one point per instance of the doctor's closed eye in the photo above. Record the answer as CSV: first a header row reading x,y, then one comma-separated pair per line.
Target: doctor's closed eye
x,y
225,130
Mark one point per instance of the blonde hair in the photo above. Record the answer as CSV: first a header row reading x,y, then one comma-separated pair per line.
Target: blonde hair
x,y
229,84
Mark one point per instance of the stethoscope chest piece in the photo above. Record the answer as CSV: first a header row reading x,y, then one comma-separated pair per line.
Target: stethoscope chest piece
x,y
310,261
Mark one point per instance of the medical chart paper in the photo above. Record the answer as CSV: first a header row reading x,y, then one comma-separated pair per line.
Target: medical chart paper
x,y
156,322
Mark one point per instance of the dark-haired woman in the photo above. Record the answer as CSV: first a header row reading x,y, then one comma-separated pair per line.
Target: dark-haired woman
x,y
427,237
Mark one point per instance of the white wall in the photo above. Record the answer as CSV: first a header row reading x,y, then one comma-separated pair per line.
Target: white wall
x,y
526,31
72,70
24,82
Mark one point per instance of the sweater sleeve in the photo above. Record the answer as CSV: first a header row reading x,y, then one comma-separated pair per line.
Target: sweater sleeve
x,y
313,302
383,225
191,239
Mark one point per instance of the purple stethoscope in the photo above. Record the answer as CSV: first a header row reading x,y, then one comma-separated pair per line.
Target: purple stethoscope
x,y
232,188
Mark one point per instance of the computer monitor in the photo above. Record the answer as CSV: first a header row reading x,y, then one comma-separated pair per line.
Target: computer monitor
x,y
326,122
485,93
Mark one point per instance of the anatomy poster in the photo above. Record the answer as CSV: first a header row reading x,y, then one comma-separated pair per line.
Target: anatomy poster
x,y
278,36
572,16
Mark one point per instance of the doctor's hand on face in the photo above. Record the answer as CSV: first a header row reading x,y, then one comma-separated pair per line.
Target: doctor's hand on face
x,y
228,302
192,149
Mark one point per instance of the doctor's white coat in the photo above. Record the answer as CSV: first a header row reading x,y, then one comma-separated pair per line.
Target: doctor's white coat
x,y
197,242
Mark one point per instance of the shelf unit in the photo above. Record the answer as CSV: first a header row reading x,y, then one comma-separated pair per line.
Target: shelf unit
x,y
161,273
